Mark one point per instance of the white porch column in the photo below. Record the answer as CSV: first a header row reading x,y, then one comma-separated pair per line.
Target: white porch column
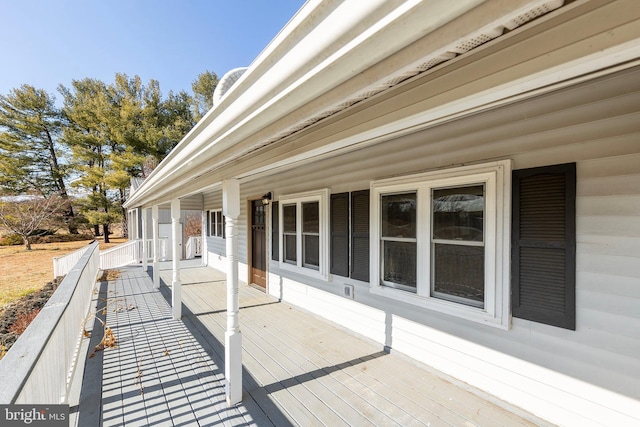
x,y
156,249
176,292
143,250
232,336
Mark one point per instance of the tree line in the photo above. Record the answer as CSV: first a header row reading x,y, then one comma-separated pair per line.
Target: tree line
x,y
85,152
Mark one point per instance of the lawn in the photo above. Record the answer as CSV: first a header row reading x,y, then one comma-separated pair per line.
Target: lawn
x,y
22,272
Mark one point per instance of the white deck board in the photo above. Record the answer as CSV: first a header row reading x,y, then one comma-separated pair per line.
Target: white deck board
x,y
337,363
297,368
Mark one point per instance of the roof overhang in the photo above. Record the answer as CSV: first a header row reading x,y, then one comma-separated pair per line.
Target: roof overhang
x,y
333,54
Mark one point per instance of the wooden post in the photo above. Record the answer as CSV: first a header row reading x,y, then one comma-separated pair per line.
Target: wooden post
x,y
143,250
176,291
232,336
156,244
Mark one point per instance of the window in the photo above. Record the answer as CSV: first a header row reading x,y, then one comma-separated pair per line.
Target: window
x,y
311,235
441,240
350,234
457,244
398,240
216,223
289,233
304,225
544,245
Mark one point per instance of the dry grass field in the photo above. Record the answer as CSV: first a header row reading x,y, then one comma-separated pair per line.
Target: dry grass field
x,y
23,272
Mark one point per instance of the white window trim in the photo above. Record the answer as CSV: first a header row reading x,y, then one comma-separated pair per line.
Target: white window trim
x,y
209,225
322,197
497,179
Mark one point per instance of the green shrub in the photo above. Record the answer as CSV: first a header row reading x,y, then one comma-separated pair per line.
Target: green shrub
x,y
15,239
11,240
57,238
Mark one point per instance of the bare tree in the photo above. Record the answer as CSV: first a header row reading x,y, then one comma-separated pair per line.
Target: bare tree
x,y
193,225
26,214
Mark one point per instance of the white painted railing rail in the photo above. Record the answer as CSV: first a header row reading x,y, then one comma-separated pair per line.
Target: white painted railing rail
x,y
193,247
63,264
39,366
162,249
121,255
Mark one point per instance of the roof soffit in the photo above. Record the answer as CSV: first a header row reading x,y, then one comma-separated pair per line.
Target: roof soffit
x,y
203,144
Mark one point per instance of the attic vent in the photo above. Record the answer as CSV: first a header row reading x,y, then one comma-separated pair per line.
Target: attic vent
x,y
435,61
474,40
402,77
477,40
533,13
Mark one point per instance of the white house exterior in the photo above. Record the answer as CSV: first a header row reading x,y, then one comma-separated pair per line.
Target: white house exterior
x,y
457,181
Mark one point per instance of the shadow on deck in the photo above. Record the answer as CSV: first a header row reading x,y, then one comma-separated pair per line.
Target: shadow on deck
x,y
297,368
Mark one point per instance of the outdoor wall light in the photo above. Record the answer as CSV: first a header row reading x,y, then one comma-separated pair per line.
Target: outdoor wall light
x,y
266,198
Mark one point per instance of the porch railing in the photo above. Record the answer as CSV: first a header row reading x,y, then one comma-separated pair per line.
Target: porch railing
x,y
41,363
162,249
62,265
193,247
121,255
131,253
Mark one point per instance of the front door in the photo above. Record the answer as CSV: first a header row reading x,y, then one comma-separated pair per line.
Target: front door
x,y
258,245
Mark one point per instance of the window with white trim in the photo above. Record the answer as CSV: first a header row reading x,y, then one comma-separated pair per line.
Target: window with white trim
x,y
398,240
441,240
457,243
216,223
304,236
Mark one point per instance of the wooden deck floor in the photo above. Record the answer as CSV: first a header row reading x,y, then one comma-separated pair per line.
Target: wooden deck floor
x,y
297,368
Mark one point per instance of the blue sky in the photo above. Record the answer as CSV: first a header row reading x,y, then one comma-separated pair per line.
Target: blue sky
x,y
49,42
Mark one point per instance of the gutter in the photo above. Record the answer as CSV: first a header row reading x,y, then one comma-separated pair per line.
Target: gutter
x,y
324,45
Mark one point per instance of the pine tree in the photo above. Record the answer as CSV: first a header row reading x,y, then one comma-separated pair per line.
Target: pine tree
x,y
87,108
203,88
116,131
31,157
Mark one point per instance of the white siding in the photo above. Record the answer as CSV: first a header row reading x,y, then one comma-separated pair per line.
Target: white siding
x,y
591,375
214,249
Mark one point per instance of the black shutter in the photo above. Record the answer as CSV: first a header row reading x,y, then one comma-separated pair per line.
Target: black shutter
x,y
208,223
223,222
360,235
275,232
544,245
339,238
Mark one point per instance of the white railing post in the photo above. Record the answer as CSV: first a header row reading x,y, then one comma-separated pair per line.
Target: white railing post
x,y
232,336
144,240
189,250
56,267
164,248
193,247
176,290
156,255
